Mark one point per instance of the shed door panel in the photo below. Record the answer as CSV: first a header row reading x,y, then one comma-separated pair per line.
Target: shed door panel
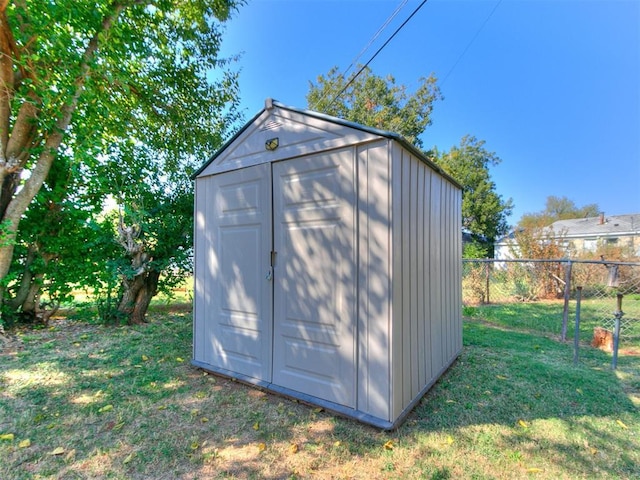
x,y
240,316
314,291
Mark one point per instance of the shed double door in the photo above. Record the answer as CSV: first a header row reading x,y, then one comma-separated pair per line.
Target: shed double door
x,y
287,302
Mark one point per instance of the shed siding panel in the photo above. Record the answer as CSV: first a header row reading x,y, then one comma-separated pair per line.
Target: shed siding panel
x,y
457,209
448,278
413,262
200,279
396,343
435,271
420,260
444,293
374,279
406,276
426,286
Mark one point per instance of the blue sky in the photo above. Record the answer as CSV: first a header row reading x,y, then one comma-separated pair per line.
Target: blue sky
x,y
553,87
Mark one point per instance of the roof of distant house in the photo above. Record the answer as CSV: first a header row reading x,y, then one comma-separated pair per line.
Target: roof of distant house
x,y
599,226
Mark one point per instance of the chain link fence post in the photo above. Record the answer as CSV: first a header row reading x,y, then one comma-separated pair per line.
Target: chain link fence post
x,y
576,332
616,331
567,297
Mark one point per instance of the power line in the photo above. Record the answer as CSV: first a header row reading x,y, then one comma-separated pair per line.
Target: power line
x,y
471,42
375,36
377,52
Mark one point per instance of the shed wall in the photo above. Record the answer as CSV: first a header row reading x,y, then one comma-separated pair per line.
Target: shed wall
x,y
374,279
426,330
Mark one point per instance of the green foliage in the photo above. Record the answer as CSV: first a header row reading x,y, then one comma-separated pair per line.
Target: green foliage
x,y
557,208
376,102
484,212
475,249
136,95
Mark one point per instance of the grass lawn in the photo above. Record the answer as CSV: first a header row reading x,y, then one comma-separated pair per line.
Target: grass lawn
x,y
84,401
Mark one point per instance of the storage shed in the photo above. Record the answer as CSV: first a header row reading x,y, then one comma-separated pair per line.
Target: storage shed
x,y
327,264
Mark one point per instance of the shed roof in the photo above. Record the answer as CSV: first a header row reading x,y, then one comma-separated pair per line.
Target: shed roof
x,y
271,104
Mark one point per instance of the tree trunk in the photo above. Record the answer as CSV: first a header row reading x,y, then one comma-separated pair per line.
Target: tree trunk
x,y
25,281
145,294
137,294
31,304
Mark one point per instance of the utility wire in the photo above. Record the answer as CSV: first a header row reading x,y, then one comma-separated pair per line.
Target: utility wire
x,y
471,42
377,52
375,36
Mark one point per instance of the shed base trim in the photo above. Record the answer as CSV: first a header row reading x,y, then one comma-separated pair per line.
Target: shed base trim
x,y
332,407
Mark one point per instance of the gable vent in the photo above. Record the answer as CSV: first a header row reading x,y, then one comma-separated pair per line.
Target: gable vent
x,y
272,125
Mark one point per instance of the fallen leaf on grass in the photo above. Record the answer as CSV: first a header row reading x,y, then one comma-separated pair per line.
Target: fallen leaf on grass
x,y
26,443
7,436
388,445
195,445
619,422
179,359
256,426
449,440
262,447
534,470
106,408
204,419
523,424
579,390
145,358
57,451
129,458
501,377
337,443
293,448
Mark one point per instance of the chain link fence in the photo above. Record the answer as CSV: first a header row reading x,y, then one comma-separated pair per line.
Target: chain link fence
x,y
551,285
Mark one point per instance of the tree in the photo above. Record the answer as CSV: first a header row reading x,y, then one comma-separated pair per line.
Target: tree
x,y
153,228
376,102
60,246
484,212
557,208
82,79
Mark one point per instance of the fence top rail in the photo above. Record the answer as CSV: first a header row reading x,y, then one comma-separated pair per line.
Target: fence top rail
x,y
547,260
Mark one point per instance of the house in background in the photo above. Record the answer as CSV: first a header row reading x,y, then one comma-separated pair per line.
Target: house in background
x,y
585,235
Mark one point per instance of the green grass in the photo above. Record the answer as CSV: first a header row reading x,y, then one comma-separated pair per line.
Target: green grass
x,y
545,317
124,403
